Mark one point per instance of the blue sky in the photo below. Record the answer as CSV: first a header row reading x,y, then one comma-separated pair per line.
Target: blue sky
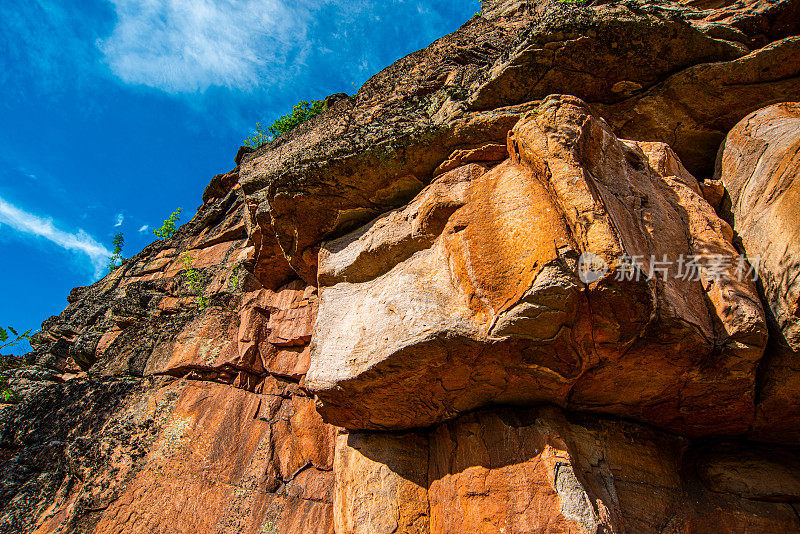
x,y
115,112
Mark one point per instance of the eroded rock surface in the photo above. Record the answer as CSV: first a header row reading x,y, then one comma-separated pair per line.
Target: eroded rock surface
x,y
150,412
682,73
759,165
482,302
760,168
523,470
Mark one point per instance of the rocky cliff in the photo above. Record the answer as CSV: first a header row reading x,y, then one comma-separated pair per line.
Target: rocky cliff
x,y
538,277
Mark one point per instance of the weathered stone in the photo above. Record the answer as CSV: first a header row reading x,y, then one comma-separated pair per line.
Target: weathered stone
x,y
694,108
69,448
381,483
580,49
674,72
760,167
477,282
752,471
778,409
486,475
539,471
216,467
245,453
493,303
759,164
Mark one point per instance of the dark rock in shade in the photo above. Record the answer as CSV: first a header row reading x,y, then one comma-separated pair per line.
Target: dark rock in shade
x,y
332,99
243,150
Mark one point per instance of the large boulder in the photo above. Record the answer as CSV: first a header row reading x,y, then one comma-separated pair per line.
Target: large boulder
x,y
760,168
472,294
759,164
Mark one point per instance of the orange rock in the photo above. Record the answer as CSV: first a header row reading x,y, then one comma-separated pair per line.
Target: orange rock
x,y
218,468
443,211
520,470
381,483
759,165
491,308
489,153
199,345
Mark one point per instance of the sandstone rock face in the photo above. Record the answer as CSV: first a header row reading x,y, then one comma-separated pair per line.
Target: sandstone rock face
x,y
381,482
521,305
220,461
159,415
68,448
760,168
676,72
693,109
471,294
759,165
537,471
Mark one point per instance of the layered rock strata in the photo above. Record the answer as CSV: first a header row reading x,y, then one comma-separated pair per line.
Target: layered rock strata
x,y
149,412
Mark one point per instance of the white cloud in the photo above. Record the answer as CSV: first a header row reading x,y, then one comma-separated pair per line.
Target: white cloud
x,y
183,46
120,220
144,229
28,223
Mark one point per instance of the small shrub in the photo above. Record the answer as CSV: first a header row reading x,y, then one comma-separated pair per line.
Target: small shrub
x,y
301,112
167,229
259,138
7,395
116,254
194,279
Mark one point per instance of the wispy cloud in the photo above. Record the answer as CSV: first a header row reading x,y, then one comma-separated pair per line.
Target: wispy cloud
x,y
120,220
34,225
29,175
183,46
144,229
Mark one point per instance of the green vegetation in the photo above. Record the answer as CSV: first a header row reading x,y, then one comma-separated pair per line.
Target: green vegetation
x,y
259,138
7,395
168,228
194,279
575,2
234,282
301,112
15,338
116,254
8,338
